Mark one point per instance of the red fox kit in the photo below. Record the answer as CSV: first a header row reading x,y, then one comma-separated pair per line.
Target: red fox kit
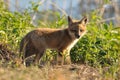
x,y
37,41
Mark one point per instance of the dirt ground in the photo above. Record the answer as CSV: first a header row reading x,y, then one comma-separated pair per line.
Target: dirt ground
x,y
65,72
12,69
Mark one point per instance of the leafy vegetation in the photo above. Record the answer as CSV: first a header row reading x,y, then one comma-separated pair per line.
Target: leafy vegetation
x,y
13,26
99,48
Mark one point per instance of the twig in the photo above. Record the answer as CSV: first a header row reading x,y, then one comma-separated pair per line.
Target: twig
x,y
108,19
35,14
62,10
104,20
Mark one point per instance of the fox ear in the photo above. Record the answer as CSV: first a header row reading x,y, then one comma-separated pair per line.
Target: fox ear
x,y
84,20
69,20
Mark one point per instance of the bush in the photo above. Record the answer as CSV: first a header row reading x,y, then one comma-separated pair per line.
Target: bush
x,y
99,47
13,26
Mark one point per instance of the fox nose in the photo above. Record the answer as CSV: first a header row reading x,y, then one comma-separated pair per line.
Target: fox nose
x,y
77,36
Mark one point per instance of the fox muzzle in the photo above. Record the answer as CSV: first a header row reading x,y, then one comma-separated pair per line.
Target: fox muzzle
x,y
77,36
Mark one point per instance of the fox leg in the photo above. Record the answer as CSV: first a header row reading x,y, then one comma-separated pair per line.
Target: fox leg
x,y
63,58
67,58
28,52
60,59
38,56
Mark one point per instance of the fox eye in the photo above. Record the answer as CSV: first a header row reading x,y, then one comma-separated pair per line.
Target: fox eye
x,y
81,30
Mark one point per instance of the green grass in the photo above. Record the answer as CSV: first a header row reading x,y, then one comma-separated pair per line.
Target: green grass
x,y
99,48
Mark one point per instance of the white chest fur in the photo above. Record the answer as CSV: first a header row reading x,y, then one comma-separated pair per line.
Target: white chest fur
x,y
72,44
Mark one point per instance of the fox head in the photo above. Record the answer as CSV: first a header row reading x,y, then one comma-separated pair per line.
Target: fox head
x,y
77,28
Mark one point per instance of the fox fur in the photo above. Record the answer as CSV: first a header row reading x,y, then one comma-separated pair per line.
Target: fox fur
x,y
37,41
